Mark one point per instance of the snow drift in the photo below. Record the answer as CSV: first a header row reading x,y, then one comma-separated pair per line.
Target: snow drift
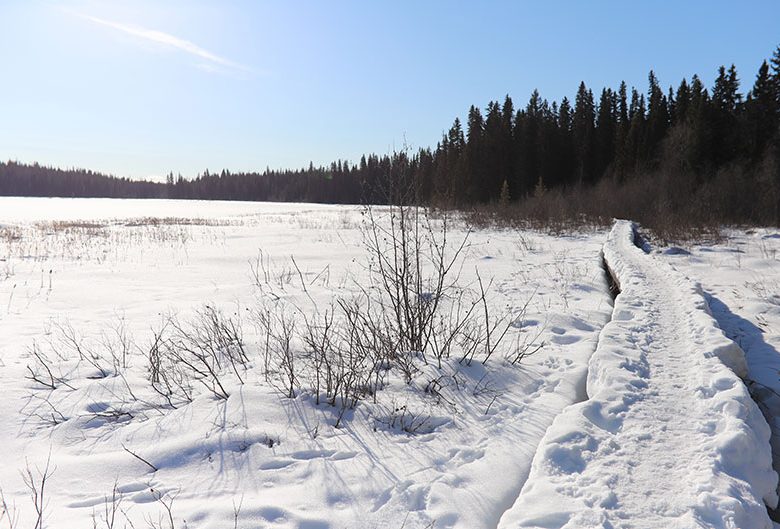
x,y
669,436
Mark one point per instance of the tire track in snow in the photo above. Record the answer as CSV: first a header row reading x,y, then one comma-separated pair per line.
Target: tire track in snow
x,y
669,436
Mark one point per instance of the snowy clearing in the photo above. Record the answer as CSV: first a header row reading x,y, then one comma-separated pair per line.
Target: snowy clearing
x,y
86,285
196,364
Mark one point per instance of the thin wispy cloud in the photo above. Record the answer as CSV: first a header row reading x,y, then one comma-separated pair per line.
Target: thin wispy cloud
x,y
213,61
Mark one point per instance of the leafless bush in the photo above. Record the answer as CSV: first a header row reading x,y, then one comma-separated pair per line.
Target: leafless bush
x,y
346,358
165,519
9,516
118,344
201,350
44,410
166,376
318,338
413,267
402,417
35,481
270,279
422,303
415,310
667,204
107,355
67,343
40,370
483,335
278,330
112,510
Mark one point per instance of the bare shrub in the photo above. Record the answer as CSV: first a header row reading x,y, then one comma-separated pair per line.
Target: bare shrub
x,y
35,481
9,516
41,369
165,519
112,510
413,266
167,377
403,418
415,310
200,350
277,326
67,343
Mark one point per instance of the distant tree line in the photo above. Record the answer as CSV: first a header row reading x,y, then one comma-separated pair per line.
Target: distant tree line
x,y
687,140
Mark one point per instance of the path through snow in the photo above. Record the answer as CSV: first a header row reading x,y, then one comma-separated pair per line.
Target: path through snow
x,y
669,437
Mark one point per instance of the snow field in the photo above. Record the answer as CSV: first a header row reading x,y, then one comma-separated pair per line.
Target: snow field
x,y
669,436
415,457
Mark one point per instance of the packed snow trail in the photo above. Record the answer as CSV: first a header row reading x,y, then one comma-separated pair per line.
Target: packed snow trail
x,y
669,437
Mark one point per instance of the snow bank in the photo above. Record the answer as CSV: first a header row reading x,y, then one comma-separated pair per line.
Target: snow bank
x,y
669,436
741,276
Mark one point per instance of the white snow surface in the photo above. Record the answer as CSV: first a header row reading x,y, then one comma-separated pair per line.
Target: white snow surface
x,y
669,436
740,272
277,462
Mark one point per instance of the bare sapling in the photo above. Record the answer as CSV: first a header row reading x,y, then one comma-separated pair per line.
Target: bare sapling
x,y
35,481
68,343
41,369
9,516
201,350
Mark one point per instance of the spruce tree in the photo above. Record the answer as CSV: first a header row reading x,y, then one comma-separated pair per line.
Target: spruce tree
x,y
508,144
567,159
606,131
657,121
494,142
683,101
725,100
775,77
474,154
583,134
761,112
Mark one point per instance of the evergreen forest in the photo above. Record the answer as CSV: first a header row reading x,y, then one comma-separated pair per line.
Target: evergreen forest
x,y
703,154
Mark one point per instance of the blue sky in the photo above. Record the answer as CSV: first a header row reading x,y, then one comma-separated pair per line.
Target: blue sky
x,y
139,88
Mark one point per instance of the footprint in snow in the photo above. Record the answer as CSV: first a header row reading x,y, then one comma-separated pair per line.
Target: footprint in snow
x,y
469,455
135,486
276,464
273,514
564,339
150,495
332,455
582,325
306,455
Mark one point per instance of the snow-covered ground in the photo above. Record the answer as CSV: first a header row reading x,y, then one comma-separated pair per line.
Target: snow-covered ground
x,y
108,306
741,279
669,436
85,284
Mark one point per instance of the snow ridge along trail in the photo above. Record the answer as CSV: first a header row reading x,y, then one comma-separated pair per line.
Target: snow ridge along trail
x,y
669,437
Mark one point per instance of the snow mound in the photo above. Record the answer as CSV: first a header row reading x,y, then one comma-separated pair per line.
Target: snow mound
x,y
669,437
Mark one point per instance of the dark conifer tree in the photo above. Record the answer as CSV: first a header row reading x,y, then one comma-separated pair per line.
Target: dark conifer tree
x,y
507,147
657,122
636,132
567,157
583,130
725,98
494,141
761,113
683,101
528,137
606,130
474,155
